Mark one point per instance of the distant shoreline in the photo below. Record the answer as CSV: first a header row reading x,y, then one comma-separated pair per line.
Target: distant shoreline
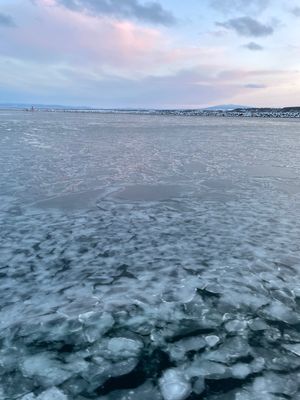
x,y
286,112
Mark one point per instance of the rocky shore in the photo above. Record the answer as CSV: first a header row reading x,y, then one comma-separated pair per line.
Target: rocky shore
x,y
248,112
287,112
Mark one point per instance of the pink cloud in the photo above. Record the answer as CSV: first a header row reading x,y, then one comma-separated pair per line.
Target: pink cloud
x,y
61,35
102,45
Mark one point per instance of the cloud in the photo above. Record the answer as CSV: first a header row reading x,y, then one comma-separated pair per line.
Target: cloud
x,y
255,86
102,45
61,36
253,46
296,11
151,12
35,82
229,6
186,88
6,20
246,26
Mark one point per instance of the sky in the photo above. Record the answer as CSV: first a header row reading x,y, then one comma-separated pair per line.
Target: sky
x,y
150,54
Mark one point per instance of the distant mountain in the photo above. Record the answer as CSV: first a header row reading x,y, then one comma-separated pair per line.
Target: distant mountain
x,y
225,107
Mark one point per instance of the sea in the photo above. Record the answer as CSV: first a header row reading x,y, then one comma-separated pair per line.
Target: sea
x,y
149,257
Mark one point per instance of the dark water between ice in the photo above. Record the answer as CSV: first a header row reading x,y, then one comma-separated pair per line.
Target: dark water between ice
x,y
149,257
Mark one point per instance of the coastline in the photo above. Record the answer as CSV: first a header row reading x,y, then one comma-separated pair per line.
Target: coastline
x,y
242,113
287,112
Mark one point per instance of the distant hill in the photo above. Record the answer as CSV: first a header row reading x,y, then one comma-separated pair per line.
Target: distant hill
x,y
221,107
225,107
291,109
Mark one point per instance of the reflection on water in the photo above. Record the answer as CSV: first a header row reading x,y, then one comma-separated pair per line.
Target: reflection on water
x,y
149,257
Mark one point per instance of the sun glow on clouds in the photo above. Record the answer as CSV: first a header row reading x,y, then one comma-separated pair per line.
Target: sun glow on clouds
x,y
107,59
84,39
107,45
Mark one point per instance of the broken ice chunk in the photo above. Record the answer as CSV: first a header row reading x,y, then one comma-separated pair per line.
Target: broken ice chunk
x,y
258,324
124,367
75,364
179,349
29,396
240,370
280,312
97,374
95,324
212,340
235,325
274,383
75,386
230,351
192,343
270,387
184,294
199,385
52,394
293,348
124,347
272,335
147,391
258,364
44,368
207,369
174,386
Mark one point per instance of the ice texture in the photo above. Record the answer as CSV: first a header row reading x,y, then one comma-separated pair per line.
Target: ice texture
x,y
241,371
294,348
212,340
45,369
174,385
52,394
124,347
49,394
29,396
148,257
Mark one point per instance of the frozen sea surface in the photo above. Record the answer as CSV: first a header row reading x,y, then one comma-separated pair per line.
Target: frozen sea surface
x,y
149,257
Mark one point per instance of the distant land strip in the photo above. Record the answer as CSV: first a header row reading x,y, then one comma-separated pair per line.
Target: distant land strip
x,y
254,112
